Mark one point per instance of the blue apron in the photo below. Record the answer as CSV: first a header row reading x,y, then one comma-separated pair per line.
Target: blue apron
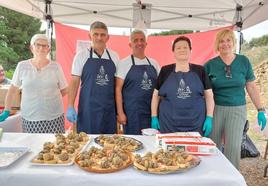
x,y
137,94
96,109
182,107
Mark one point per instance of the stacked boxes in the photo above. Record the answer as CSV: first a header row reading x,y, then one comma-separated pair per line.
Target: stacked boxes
x,y
191,142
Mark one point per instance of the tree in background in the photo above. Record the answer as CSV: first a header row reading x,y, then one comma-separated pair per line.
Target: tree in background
x,y
257,42
6,52
16,30
256,50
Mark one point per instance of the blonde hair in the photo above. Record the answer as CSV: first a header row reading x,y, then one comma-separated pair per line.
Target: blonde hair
x,y
223,33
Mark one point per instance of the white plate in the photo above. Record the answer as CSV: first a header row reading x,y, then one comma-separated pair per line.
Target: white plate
x,y
150,132
9,155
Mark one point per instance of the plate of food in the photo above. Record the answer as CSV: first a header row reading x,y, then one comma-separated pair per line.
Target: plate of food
x,y
125,143
9,155
62,151
105,160
165,162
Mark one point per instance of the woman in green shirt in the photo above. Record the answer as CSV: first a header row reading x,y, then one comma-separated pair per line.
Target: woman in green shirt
x,y
230,74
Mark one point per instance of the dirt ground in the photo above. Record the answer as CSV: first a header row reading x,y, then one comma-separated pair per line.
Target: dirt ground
x,y
253,168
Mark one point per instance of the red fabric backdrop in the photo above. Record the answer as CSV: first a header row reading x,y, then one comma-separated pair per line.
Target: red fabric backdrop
x,y
159,47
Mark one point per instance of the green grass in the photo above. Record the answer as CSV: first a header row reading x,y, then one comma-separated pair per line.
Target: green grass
x,y
256,55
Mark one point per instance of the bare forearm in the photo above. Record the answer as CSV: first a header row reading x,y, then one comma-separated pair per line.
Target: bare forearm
x,y
155,103
254,94
118,96
73,88
209,102
119,102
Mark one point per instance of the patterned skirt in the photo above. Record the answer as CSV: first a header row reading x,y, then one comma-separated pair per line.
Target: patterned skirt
x,y
44,126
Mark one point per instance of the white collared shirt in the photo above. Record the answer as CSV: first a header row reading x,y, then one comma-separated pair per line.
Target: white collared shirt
x,y
81,58
125,64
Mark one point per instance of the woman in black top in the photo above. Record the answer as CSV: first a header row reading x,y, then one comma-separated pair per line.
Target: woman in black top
x,y
182,98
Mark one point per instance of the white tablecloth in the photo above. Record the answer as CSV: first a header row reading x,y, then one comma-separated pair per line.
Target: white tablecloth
x,y
212,171
12,124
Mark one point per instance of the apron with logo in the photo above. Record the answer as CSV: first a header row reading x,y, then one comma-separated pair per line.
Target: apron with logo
x,y
137,94
183,106
96,109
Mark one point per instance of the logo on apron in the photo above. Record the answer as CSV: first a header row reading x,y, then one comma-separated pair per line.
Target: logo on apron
x,y
146,84
183,90
102,78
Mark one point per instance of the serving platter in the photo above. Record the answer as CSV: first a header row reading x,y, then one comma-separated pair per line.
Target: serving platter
x,y
105,160
169,164
125,142
63,150
9,155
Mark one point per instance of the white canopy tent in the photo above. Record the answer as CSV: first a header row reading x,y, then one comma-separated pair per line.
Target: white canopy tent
x,y
155,14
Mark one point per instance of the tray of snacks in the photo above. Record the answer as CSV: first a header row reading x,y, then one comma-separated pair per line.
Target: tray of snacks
x,y
105,160
165,162
125,143
9,155
62,151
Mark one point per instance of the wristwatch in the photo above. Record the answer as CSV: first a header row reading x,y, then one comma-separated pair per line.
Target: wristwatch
x,y
262,109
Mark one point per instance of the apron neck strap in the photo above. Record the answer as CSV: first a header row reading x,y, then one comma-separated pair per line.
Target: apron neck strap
x,y
91,54
108,54
148,60
133,61
190,67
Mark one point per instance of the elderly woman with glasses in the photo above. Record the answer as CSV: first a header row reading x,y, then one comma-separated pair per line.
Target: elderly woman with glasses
x,y
229,74
42,84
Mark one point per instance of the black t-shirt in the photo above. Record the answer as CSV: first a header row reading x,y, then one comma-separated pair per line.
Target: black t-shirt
x,y
198,69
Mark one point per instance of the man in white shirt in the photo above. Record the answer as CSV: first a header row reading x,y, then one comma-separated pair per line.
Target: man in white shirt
x,y
95,67
135,80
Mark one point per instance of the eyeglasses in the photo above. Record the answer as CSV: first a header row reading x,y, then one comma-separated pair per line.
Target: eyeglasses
x,y
228,73
38,45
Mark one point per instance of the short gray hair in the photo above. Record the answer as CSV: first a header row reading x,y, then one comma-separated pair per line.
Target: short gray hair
x,y
137,32
98,24
39,36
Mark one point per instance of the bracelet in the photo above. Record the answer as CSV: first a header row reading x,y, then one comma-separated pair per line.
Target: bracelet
x,y
262,109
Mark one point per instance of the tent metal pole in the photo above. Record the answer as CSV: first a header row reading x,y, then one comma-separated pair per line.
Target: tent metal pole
x,y
239,25
49,20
